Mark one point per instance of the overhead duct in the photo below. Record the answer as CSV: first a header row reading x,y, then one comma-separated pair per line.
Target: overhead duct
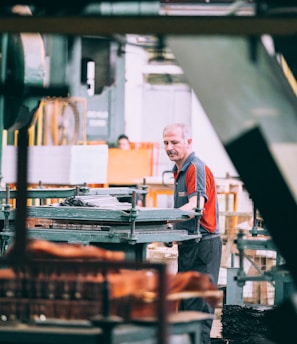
x,y
123,8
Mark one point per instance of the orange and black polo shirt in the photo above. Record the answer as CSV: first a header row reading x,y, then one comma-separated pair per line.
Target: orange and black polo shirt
x,y
196,176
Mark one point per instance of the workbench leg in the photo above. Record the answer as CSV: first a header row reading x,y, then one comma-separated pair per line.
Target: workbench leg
x,y
140,252
5,242
196,336
234,293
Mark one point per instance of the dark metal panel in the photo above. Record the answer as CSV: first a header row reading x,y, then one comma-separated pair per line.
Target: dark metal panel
x,y
57,72
270,191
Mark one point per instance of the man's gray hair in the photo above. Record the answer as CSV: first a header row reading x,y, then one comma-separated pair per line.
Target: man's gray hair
x,y
184,127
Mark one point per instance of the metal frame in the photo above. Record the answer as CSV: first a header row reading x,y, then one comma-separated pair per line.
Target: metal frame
x,y
105,321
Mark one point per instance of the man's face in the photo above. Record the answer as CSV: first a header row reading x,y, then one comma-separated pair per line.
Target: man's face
x,y
176,147
124,144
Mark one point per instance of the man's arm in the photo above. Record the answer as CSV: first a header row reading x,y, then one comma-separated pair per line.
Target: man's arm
x,y
192,204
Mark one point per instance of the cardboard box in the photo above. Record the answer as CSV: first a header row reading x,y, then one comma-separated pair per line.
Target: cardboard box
x,y
127,167
59,165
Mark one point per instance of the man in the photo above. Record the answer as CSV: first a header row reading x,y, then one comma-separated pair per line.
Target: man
x,y
191,176
123,142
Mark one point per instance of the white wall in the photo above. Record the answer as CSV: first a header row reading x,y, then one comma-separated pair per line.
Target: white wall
x,y
135,60
207,144
150,107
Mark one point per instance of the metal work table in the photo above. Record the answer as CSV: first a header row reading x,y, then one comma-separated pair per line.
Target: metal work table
x,y
109,224
187,325
50,192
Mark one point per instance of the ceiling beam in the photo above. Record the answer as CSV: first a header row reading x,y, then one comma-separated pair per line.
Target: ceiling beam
x,y
180,25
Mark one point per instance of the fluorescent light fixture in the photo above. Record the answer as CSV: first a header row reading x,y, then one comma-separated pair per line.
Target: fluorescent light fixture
x,y
162,69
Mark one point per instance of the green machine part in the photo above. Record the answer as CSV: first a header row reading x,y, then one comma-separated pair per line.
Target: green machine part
x,y
25,68
22,69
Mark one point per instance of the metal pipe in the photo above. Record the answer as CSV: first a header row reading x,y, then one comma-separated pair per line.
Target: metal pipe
x,y
144,195
133,216
4,44
7,207
241,273
21,205
254,230
198,210
162,306
113,8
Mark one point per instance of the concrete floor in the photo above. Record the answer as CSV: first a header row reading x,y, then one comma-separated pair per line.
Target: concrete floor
x,y
216,330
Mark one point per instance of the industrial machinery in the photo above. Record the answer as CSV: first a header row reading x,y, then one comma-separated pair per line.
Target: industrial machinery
x,y
66,301
96,216
259,114
79,310
257,238
117,226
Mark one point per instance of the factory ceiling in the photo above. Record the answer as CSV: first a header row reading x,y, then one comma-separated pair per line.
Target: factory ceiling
x,y
152,17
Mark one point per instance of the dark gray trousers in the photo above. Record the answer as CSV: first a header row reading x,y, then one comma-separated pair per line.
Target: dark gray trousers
x,y
204,257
